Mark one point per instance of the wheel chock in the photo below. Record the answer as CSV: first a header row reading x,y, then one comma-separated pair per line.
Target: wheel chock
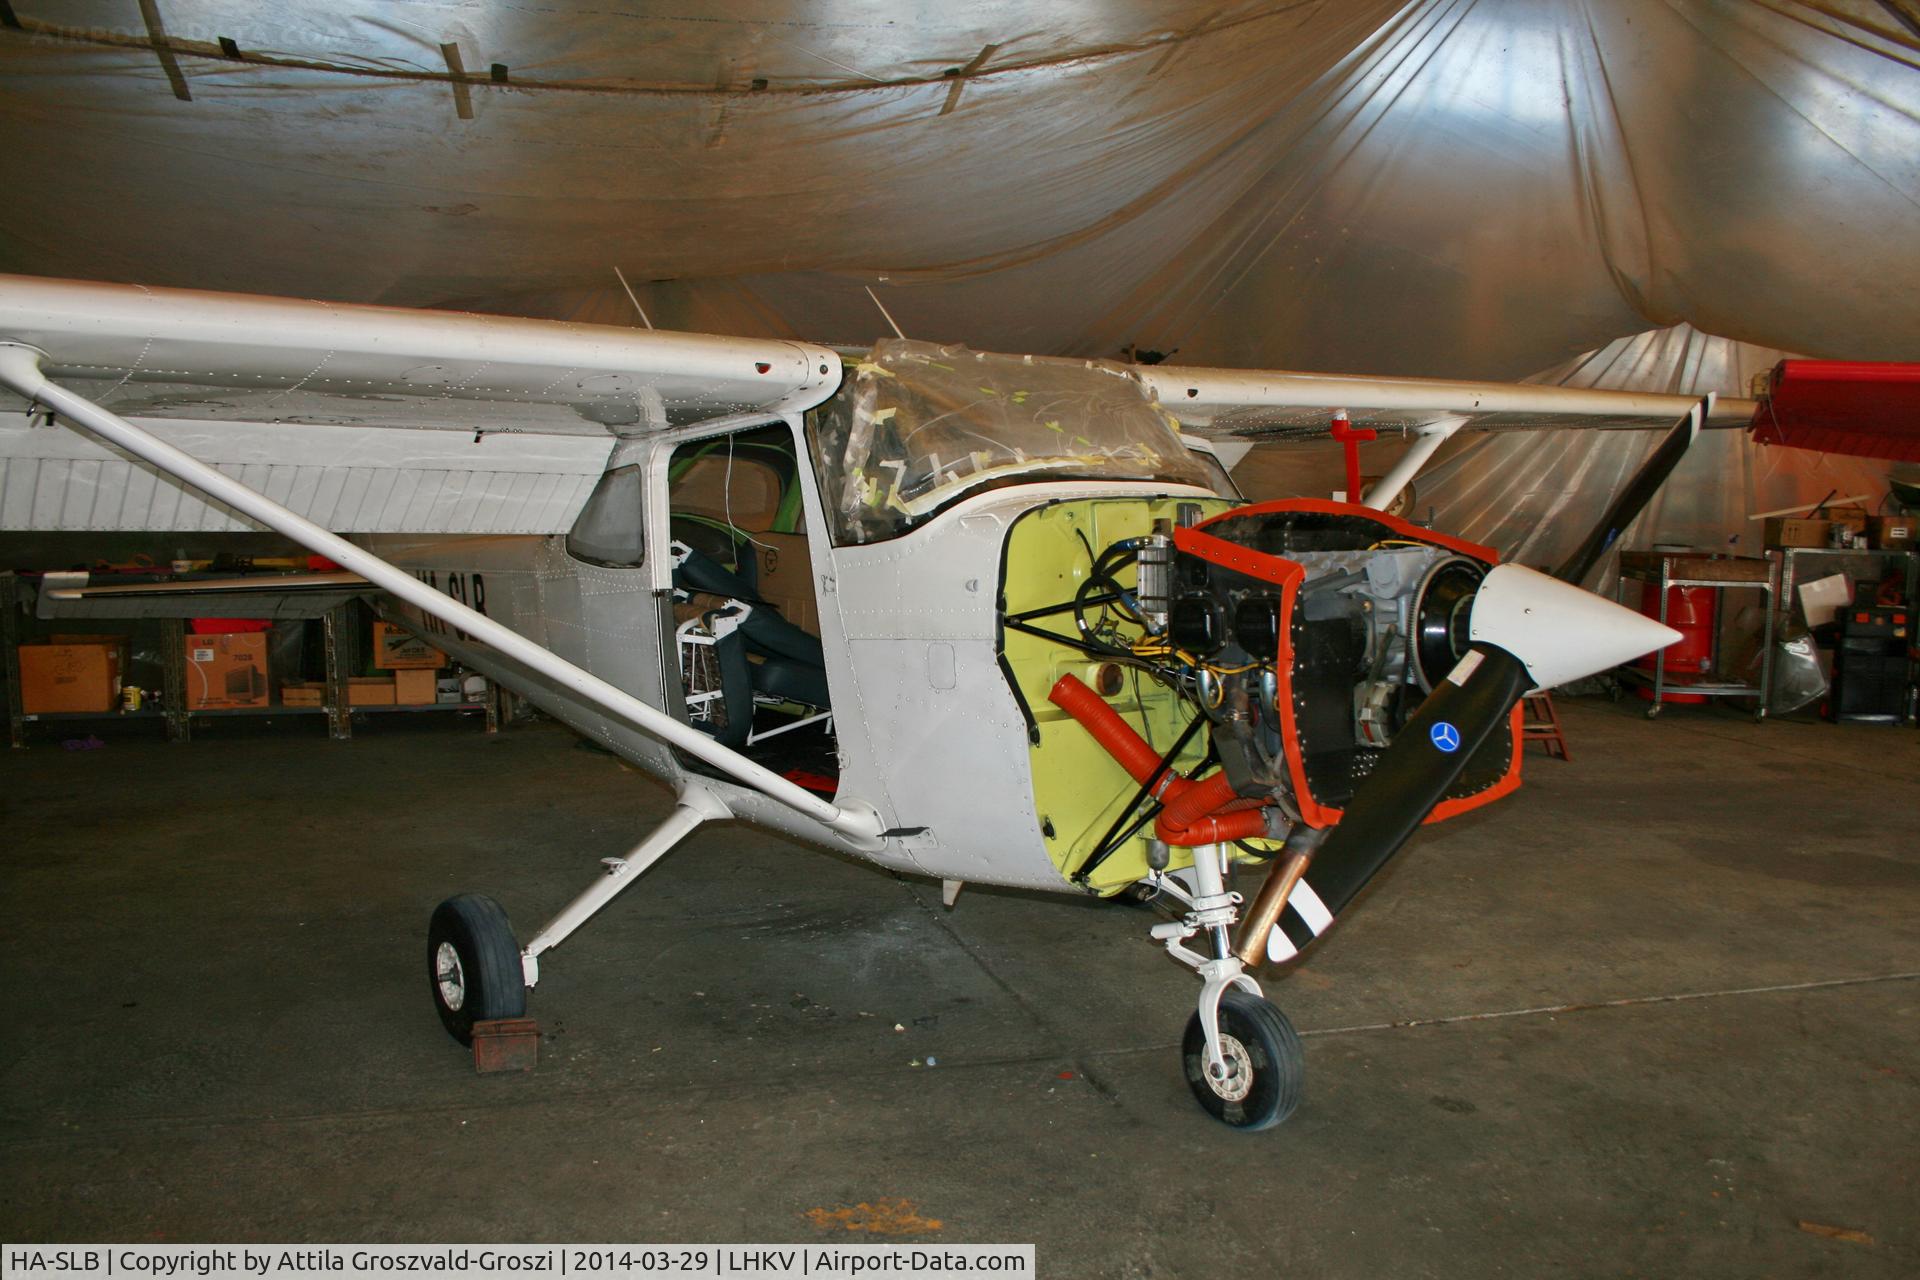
x,y
506,1044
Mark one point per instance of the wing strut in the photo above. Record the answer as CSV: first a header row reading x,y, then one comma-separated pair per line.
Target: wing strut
x,y
1426,443
20,371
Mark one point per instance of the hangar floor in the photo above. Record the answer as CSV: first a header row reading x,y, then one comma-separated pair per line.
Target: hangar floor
x,y
1650,1017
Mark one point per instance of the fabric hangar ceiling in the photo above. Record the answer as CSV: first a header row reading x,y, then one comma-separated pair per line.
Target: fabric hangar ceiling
x,y
1443,187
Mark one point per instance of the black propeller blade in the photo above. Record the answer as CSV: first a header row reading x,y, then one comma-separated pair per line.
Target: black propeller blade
x,y
1639,492
1461,715
1426,756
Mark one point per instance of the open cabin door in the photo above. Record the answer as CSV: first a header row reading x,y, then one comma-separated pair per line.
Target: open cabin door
x,y
745,610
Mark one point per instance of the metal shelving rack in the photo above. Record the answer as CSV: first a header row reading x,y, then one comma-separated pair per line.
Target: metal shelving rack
x,y
1833,560
1722,573
337,628
1830,560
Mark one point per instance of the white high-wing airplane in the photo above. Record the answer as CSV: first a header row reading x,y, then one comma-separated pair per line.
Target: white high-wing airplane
x,y
971,616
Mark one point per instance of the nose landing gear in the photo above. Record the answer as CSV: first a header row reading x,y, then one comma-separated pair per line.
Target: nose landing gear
x,y
1242,1058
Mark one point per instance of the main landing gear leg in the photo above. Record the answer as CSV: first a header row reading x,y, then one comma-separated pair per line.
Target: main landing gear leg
x,y
1241,1056
477,970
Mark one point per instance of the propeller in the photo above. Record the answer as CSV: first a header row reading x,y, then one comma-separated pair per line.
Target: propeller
x,y
1528,631
1639,492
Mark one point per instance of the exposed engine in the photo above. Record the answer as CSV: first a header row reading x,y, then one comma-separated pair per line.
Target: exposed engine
x,y
1307,636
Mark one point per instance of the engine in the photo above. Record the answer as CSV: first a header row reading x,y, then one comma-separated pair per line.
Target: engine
x,y
1307,636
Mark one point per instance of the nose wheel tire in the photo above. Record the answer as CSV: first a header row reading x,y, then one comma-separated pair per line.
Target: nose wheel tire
x,y
473,964
1266,1067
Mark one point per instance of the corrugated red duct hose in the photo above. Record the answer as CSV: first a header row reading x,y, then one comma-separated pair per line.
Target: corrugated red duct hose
x,y
1202,812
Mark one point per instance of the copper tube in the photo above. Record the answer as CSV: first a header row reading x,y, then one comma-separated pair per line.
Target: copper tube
x,y
1264,914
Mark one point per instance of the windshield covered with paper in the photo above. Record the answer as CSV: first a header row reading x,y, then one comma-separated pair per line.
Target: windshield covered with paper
x,y
919,426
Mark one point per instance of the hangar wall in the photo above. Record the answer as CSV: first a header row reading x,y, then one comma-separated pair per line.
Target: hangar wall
x,y
1437,187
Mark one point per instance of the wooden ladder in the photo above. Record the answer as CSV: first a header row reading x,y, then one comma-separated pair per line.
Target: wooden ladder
x,y
1539,722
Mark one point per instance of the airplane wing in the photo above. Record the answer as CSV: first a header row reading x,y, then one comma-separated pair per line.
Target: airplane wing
x,y
1270,405
364,419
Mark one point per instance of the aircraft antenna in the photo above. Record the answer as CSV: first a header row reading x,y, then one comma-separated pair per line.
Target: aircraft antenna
x,y
885,312
630,298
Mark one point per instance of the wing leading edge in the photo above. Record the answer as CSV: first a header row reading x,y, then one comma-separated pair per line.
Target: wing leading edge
x,y
1280,405
608,375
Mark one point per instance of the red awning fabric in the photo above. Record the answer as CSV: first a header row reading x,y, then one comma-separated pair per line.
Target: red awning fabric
x,y
1868,409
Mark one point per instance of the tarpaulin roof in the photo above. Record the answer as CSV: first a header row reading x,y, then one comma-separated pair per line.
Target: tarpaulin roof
x,y
1443,187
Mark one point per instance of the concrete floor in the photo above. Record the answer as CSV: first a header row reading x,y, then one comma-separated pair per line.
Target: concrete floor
x,y
217,1026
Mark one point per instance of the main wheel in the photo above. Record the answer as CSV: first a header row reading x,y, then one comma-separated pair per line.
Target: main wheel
x,y
1266,1067
474,964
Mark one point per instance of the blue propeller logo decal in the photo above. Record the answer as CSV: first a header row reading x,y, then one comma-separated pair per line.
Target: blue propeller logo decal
x,y
1445,737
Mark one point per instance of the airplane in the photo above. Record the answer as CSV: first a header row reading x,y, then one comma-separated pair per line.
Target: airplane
x,y
977,617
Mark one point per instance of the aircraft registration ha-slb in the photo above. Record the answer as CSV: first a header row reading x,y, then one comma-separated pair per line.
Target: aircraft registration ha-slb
x,y
982,618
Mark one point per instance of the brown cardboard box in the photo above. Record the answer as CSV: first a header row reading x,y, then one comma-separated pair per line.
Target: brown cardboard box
x,y
298,694
414,688
70,677
1854,518
226,671
123,642
369,691
397,649
786,578
1792,532
1892,533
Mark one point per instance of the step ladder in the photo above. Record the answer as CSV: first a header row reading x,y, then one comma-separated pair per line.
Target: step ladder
x,y
1539,722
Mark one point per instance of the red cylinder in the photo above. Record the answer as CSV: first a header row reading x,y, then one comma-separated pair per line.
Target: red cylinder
x,y
1690,611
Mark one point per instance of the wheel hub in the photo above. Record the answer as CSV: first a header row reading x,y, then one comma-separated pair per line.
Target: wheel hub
x,y
448,975
1237,1083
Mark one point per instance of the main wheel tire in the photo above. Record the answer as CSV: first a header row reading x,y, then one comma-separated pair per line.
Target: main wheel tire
x,y
1266,1067
473,964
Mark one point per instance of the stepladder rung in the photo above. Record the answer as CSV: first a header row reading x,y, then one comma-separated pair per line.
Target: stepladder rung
x,y
1540,722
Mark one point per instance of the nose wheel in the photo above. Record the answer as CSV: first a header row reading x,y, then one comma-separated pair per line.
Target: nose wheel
x,y
1265,1066
474,964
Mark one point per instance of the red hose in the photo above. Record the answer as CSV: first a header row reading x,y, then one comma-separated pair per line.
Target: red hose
x,y
1107,728
1247,824
1202,812
1196,800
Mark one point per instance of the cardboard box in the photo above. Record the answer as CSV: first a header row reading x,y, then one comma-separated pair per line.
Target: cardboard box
x,y
786,578
414,688
1892,533
122,642
1814,531
396,649
1854,518
225,671
1793,532
298,694
70,677
369,691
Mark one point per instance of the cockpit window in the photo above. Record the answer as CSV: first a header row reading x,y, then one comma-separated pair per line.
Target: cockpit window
x,y
919,426
610,528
